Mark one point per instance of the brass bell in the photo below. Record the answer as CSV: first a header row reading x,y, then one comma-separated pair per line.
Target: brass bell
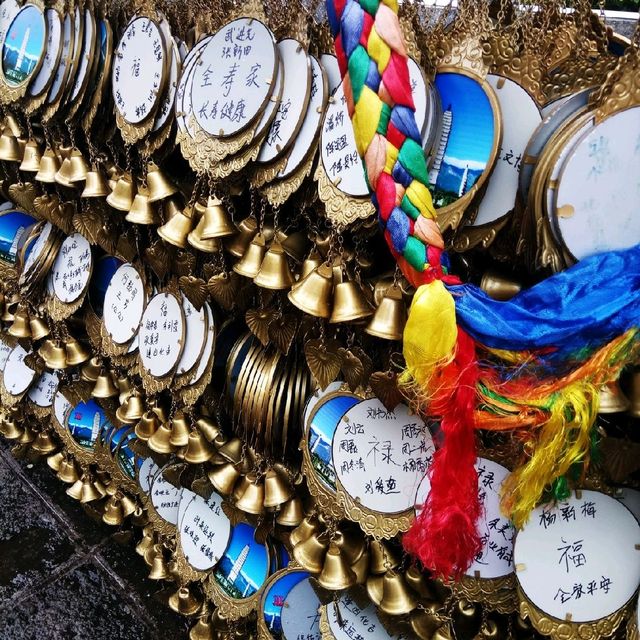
x,y
151,553
9,147
184,602
295,245
56,357
160,187
634,393
252,498
121,197
217,223
91,370
31,157
10,429
160,440
78,166
20,328
176,230
67,472
224,478
498,287
44,443
159,570
179,430
144,545
132,410
361,568
232,450
171,208
104,386
291,514
383,557
195,239
612,400
349,303
147,425
75,353
45,349
424,624
129,506
208,428
54,461
274,271
125,389
310,553
313,294
202,630
114,173
390,317
336,574
374,587
90,492
63,173
39,328
49,166
251,261
277,489
397,598
95,185
113,514
443,633
304,530
27,436
417,580
247,230
198,449
352,545
312,262
142,210
75,490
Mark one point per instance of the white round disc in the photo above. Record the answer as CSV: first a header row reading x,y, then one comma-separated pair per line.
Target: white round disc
x,y
630,498
37,252
209,346
186,495
184,84
381,456
419,89
356,622
52,53
78,30
8,11
17,375
165,498
300,617
44,389
579,559
330,64
146,473
61,408
274,102
72,268
88,47
195,336
5,350
65,61
166,106
317,395
124,303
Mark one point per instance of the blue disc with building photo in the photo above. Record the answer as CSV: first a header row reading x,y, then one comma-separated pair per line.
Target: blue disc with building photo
x,y
85,422
274,599
24,45
13,225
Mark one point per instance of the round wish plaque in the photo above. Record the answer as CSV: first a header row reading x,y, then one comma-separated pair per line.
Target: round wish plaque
x,y
84,422
86,57
124,303
17,375
146,473
5,350
74,61
273,601
186,495
300,617
72,268
233,79
61,407
196,324
64,64
578,561
51,58
44,389
165,498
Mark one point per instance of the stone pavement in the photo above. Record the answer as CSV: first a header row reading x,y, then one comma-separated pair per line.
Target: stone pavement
x,y
64,576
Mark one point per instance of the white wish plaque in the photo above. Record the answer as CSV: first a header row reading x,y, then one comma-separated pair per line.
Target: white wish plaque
x,y
234,77
78,30
332,68
520,117
165,498
17,375
270,110
338,149
124,303
5,350
161,334
630,498
51,54
596,199
8,11
146,474
293,103
348,621
317,395
71,270
579,560
196,325
139,70
204,532
61,408
40,247
209,347
300,618
86,56
419,93
184,84
44,389
186,495
381,456
62,69
497,533
166,106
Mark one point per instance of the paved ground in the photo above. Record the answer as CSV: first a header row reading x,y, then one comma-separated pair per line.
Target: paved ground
x,y
64,576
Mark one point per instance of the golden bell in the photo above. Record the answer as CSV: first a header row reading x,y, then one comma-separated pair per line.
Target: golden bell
x,y
45,349
129,506
202,630
466,618
424,624
247,230
310,553
184,602
232,450
20,328
89,491
313,294
198,449
78,167
361,568
95,185
443,633
104,387
27,436
55,461
125,389
147,425
121,198
57,357
634,393
44,443
91,370
277,490
63,173
195,239
383,557
612,400
390,317
49,166
179,430
75,353
374,588
151,553
397,598
291,514
38,327
224,478
274,271
352,545
336,574
304,530
171,208
217,223
142,211
252,498
132,410
160,187
349,303
295,245
176,230
498,287
67,472
251,261
160,440
9,147
75,490
113,514
31,158
10,430
417,580
312,262
208,428
159,569
144,545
